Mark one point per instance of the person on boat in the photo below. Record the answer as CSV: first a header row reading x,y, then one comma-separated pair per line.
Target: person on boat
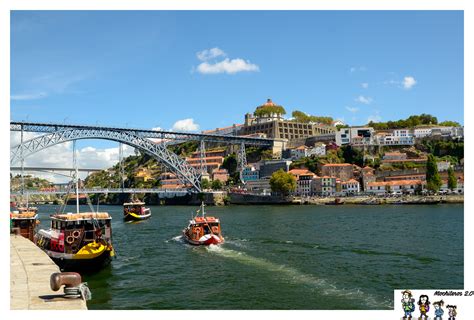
x,y
207,230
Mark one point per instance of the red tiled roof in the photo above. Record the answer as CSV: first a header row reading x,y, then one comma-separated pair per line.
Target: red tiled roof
x,y
395,183
337,165
301,172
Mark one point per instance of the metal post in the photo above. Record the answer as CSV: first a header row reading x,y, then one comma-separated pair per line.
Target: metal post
x,y
22,165
76,174
241,161
203,158
122,180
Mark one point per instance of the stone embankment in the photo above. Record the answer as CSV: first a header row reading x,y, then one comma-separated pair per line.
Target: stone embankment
x,y
373,200
30,272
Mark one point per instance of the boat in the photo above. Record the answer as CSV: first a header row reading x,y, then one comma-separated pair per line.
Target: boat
x,y
24,223
78,241
135,211
337,201
203,230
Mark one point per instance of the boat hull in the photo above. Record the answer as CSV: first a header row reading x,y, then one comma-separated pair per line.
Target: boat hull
x,y
205,240
136,217
84,265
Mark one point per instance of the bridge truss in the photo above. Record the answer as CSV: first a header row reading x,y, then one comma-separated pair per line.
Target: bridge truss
x,y
137,138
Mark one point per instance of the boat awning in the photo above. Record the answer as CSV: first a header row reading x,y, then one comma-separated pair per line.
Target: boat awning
x,y
206,219
81,216
134,204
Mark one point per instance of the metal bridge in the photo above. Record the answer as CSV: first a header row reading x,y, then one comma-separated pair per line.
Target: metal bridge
x,y
46,169
137,138
163,193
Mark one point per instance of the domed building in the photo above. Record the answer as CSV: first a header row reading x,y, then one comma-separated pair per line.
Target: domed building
x,y
268,119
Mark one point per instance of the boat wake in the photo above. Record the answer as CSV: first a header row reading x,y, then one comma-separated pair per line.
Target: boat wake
x,y
179,239
293,275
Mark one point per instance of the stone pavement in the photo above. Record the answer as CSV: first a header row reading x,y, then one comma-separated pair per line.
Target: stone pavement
x,y
30,270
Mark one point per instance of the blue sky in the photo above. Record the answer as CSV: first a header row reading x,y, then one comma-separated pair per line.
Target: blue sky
x,y
151,69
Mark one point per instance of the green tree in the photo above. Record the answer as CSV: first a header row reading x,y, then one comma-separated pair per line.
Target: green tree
x,y
449,124
267,110
282,182
452,182
300,116
433,180
216,185
352,155
205,184
230,163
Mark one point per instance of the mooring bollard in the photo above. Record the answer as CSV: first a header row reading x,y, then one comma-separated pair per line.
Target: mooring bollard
x,y
73,287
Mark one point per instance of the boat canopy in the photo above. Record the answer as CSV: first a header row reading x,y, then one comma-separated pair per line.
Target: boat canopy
x,y
134,204
205,219
25,215
81,216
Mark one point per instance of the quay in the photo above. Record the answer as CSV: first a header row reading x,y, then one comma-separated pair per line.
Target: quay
x,y
30,271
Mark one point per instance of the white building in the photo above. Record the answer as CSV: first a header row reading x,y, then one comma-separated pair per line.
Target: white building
x,y
350,187
395,186
360,135
443,165
318,150
303,181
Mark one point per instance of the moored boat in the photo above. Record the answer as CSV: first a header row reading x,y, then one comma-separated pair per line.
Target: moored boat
x,y
203,230
24,223
81,241
135,211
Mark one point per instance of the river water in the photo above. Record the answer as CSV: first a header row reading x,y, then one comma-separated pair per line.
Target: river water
x,y
280,257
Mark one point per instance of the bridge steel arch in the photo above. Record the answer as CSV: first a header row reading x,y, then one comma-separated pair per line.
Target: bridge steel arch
x,y
179,166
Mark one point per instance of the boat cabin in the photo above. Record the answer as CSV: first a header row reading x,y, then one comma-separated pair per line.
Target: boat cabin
x,y
69,232
24,224
133,207
204,225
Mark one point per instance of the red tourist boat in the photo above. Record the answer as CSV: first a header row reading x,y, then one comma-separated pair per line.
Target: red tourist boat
x,y
203,230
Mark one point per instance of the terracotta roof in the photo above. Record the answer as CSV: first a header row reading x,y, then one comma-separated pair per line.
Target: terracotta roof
x,y
395,183
395,153
301,172
350,181
337,165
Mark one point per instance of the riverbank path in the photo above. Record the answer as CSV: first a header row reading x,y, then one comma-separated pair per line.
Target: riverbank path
x,y
30,271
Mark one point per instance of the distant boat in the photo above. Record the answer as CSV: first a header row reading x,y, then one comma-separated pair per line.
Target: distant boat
x,y
203,230
337,201
135,211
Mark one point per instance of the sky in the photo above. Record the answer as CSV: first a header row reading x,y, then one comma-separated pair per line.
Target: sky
x,y
198,70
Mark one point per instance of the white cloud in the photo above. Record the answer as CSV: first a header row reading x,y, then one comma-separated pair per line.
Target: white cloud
x,y
28,96
364,85
227,66
352,109
185,125
209,54
408,82
157,129
60,156
364,100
